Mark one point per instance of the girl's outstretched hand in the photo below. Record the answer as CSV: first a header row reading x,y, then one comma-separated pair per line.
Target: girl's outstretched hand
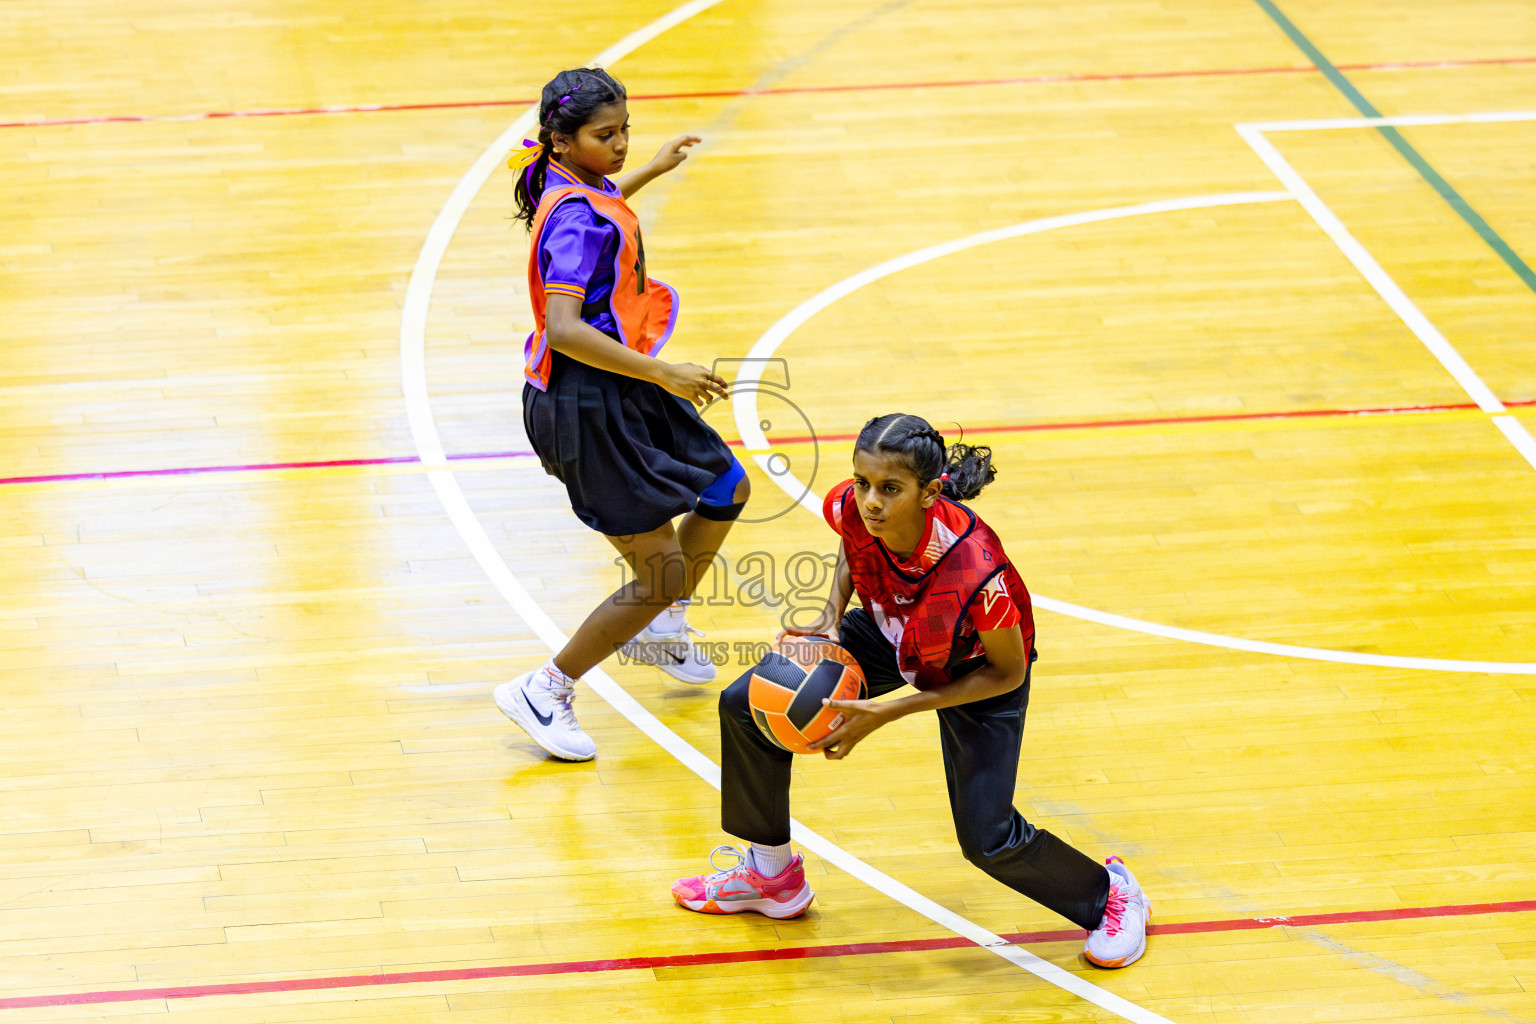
x,y
694,382
674,152
860,718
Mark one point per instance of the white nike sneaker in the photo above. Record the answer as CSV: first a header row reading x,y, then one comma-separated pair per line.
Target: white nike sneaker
x,y
674,653
544,712
1121,937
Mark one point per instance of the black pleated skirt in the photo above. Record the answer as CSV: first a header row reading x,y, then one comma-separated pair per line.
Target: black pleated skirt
x,y
631,455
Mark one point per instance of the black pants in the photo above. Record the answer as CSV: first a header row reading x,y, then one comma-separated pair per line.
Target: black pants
x,y
981,743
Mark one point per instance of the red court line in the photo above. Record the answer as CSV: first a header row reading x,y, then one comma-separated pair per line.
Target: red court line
x,y
651,963
1007,428
1239,417
374,108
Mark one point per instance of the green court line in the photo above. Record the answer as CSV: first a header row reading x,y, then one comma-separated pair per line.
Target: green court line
x,y
1402,145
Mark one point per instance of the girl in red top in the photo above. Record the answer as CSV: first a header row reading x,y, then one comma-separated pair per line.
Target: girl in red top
x,y
945,611
608,418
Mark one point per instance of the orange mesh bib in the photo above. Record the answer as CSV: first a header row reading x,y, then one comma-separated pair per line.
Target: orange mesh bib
x,y
644,309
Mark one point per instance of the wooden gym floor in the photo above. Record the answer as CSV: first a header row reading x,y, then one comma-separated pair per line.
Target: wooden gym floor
x,y
1284,555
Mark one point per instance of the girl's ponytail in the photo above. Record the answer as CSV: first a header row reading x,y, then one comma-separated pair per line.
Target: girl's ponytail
x,y
968,470
529,185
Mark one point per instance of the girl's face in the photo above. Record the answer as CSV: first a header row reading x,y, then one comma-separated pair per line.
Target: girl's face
x,y
598,148
892,503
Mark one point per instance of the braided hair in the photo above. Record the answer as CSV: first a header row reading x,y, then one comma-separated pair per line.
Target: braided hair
x,y
964,469
570,100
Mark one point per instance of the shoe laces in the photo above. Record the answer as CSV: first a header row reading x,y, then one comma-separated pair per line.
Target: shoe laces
x,y
1114,911
683,632
722,873
564,711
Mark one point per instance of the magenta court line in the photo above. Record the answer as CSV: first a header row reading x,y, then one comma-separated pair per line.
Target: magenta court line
x,y
1006,428
373,108
653,963
245,468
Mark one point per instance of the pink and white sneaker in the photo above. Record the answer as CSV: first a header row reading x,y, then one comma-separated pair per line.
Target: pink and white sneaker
x,y
1121,938
737,888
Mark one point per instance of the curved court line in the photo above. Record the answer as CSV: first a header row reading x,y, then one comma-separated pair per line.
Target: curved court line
x,y
744,402
429,446
1194,636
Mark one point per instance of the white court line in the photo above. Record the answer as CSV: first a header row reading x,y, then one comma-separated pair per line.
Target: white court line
x,y
747,421
1401,121
744,404
1286,650
1518,436
1373,272
1379,279
429,446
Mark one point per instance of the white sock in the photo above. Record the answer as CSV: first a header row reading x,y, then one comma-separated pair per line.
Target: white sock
x,y
672,618
770,861
551,678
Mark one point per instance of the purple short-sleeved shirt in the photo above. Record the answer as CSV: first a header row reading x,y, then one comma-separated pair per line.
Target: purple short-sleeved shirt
x,y
577,248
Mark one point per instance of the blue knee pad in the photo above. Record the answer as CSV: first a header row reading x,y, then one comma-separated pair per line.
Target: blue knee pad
x,y
718,500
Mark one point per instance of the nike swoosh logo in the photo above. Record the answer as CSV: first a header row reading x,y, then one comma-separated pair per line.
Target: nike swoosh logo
x,y
676,658
543,719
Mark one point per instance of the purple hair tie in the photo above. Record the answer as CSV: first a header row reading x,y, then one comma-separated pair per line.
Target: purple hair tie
x,y
562,101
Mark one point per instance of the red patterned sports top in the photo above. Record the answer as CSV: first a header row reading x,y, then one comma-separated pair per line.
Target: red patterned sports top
x,y
958,583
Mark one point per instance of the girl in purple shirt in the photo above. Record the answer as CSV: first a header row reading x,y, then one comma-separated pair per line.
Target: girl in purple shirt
x,y
616,425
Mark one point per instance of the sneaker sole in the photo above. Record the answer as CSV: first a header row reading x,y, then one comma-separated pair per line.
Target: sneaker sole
x,y
768,908
678,672
514,710
1129,958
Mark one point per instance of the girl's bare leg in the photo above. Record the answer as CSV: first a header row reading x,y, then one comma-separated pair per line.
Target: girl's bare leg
x,y
657,562
667,564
